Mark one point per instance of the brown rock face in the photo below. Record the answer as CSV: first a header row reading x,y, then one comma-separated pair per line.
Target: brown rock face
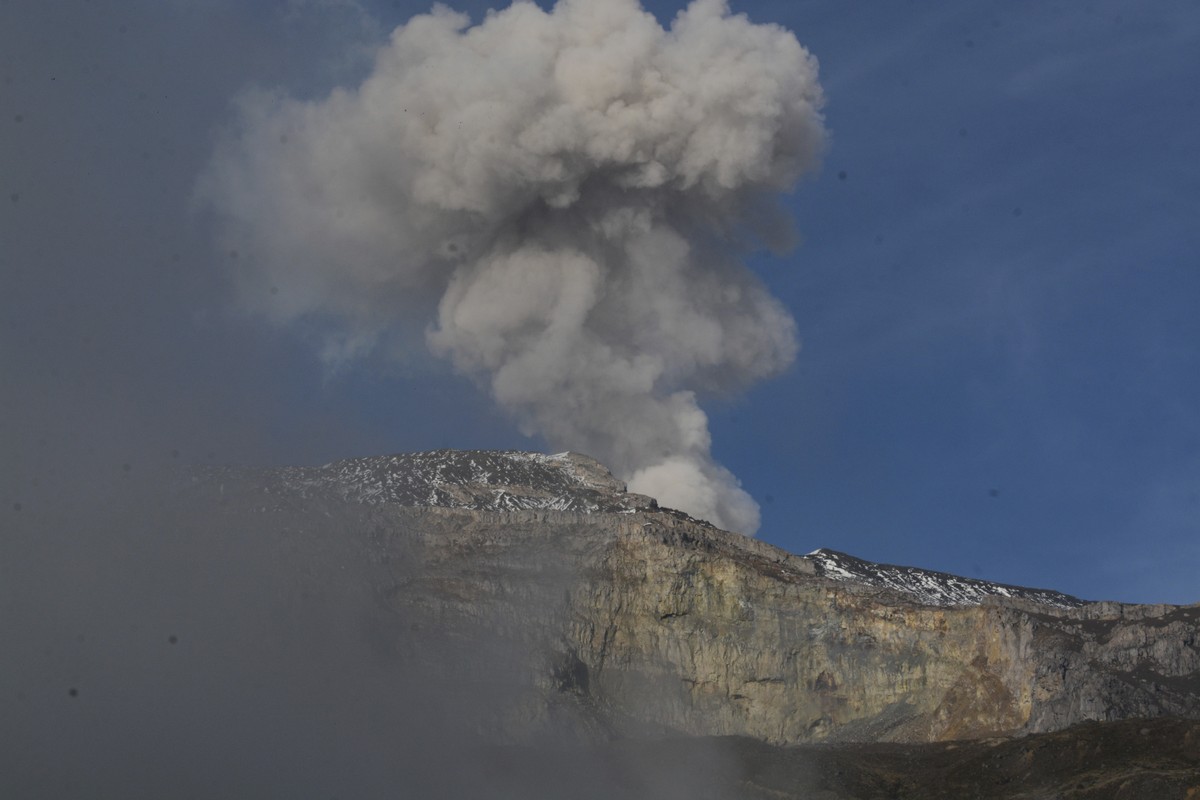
x,y
666,624
631,619
510,626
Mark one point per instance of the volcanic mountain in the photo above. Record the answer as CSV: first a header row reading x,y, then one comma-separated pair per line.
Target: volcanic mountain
x,y
516,625
617,617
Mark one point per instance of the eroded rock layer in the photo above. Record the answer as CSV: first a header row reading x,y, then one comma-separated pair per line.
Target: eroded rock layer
x,y
618,617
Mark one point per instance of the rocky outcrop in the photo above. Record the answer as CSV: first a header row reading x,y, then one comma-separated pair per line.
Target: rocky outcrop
x,y
761,650
623,617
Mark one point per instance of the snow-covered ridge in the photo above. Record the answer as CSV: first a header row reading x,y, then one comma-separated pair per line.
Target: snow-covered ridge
x,y
490,480
928,587
510,480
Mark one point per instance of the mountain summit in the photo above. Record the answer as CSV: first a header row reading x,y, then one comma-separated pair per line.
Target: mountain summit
x,y
511,480
503,624
623,616
482,480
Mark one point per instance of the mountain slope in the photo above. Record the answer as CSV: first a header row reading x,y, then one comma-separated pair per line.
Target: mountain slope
x,y
928,587
378,627
625,617
520,481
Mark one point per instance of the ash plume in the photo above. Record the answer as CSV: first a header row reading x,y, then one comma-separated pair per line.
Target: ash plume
x,y
558,202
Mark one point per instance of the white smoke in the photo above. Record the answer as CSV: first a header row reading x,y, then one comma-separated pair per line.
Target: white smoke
x,y
559,201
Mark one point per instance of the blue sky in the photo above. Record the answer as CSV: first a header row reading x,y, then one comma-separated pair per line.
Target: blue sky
x,y
1000,374
996,285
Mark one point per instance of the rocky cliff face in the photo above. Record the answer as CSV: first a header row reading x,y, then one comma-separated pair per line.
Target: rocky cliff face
x,y
622,617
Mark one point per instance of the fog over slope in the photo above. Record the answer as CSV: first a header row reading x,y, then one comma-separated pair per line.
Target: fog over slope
x,y
558,202
172,645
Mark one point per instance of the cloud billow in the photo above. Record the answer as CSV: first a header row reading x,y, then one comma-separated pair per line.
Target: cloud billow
x,y
559,201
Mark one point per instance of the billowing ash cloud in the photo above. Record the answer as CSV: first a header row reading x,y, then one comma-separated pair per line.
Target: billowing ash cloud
x,y
558,201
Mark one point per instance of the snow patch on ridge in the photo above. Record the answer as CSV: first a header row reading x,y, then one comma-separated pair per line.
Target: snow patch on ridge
x,y
510,480
484,480
926,586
